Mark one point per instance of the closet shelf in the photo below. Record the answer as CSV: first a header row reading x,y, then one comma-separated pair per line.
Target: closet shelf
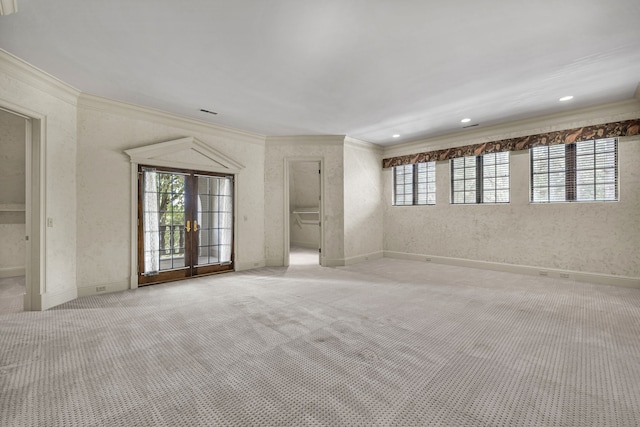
x,y
6,207
306,216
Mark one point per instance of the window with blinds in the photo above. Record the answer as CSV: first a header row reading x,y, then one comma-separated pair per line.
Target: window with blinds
x,y
581,172
414,184
480,179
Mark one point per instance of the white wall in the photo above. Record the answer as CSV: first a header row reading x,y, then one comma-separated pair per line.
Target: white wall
x,y
12,194
304,193
107,128
598,237
330,149
363,206
32,90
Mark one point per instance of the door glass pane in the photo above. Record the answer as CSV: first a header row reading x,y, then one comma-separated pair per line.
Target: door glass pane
x,y
215,219
171,218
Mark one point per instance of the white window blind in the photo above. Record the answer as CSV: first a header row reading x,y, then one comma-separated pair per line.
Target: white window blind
x,y
480,179
414,184
580,172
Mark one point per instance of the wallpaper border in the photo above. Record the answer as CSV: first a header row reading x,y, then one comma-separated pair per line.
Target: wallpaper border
x,y
567,136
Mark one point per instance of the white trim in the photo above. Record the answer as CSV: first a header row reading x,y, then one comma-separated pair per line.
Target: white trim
x,y
51,300
579,276
23,71
274,262
249,265
105,105
35,203
145,155
340,262
617,111
149,154
12,207
287,217
365,257
133,278
90,290
12,272
363,145
297,140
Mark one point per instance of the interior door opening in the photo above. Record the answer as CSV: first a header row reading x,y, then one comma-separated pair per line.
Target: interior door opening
x,y
304,213
185,224
13,214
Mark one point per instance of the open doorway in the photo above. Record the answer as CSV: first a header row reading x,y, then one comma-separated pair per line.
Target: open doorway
x,y
14,133
305,206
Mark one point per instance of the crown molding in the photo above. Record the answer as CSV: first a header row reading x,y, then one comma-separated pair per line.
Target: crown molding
x,y
604,113
106,105
363,145
8,7
21,70
156,154
327,140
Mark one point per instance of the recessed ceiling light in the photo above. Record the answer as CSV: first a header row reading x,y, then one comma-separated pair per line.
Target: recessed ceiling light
x,y
467,120
396,135
566,98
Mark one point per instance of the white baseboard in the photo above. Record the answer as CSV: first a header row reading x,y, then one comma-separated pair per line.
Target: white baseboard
x,y
242,266
49,299
329,262
103,288
274,262
338,262
580,276
12,272
362,258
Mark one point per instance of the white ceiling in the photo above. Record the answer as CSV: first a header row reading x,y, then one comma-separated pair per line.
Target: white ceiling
x,y
364,68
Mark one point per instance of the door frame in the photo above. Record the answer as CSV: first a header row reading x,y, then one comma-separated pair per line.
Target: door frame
x,y
287,215
191,190
209,160
35,204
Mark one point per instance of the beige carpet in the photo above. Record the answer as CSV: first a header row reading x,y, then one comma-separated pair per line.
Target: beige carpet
x,y
12,290
385,342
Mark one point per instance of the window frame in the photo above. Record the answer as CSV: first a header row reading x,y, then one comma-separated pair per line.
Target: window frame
x,y
572,170
479,168
415,184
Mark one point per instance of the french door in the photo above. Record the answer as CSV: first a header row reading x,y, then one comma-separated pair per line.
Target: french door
x,y
185,224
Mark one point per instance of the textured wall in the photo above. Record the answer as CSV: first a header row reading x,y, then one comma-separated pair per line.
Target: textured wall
x,y
104,180
304,193
331,150
362,202
592,237
39,95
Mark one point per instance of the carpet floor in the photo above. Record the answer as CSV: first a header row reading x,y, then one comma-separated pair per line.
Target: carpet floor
x,y
12,290
381,343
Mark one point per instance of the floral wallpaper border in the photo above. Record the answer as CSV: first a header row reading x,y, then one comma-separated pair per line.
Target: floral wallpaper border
x,y
568,136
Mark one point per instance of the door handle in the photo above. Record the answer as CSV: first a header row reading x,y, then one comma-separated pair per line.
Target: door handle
x,y
195,226
188,226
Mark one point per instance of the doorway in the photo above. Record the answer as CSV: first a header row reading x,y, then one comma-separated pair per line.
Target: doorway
x,y
13,167
185,222
25,207
304,245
